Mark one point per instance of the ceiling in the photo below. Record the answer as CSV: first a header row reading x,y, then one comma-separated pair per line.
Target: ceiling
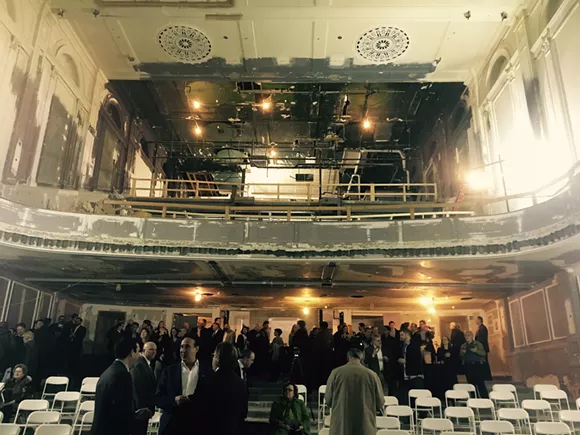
x,y
289,40
459,283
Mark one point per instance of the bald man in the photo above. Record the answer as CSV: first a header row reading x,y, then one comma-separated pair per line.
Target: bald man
x,y
144,384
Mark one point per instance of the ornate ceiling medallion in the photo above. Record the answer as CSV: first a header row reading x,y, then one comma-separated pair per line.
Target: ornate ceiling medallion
x,y
382,44
184,43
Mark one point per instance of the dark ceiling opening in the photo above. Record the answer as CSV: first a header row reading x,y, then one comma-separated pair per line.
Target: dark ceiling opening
x,y
224,127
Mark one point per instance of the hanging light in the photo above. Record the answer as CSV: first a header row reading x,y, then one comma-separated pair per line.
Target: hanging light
x,y
305,310
266,105
198,297
197,130
367,124
431,310
196,104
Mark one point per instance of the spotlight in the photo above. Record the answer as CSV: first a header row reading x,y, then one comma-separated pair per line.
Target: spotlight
x,y
431,310
305,310
197,130
198,297
367,124
266,105
196,104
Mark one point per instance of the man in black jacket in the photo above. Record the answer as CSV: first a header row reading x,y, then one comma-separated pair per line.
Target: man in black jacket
x,y
376,359
114,413
412,363
144,384
482,336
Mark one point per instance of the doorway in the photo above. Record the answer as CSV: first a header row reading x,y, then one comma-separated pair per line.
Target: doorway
x,y
105,321
179,320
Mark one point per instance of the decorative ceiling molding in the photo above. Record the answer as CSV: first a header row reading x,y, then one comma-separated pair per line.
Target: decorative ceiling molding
x,y
382,44
167,3
184,43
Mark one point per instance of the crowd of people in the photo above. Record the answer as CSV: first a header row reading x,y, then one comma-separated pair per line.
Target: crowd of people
x,y
178,370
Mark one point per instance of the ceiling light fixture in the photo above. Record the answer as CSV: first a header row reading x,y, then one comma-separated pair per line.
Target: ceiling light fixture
x,y
367,124
478,180
198,297
305,310
431,310
197,130
424,300
266,105
196,104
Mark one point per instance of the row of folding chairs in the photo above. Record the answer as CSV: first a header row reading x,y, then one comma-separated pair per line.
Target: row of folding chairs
x,y
37,412
44,429
56,384
487,427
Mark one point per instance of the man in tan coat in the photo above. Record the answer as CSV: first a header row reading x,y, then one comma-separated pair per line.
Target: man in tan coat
x,y
355,395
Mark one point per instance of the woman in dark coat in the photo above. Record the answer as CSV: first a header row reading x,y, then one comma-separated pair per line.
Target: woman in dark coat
x,y
289,415
16,389
445,357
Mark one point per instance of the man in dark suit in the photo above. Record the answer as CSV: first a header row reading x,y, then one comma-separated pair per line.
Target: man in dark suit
x,y
223,387
411,361
244,364
376,359
75,350
217,336
176,388
202,337
114,414
144,384
482,335
242,340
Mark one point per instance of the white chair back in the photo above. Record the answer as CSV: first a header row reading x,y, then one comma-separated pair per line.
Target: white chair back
x,y
519,416
327,421
90,380
1,416
31,405
432,405
456,397
557,399
391,401
551,428
571,418
43,417
479,405
402,411
86,421
459,413
436,425
321,405
68,401
538,409
466,387
56,383
324,431
53,429
503,398
578,403
496,427
388,423
510,388
392,432
302,391
9,429
538,388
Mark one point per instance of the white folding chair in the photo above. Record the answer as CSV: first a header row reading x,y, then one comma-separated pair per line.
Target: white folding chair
x,y
327,421
503,399
556,399
53,429
436,425
321,405
402,411
538,388
571,418
324,431
392,432
428,405
510,388
84,407
459,414
416,393
467,387
302,391
551,428
578,403
86,422
90,380
456,398
1,416
391,401
519,417
496,427
479,405
9,429
31,405
538,408
58,383
88,390
68,400
154,423
388,423
37,418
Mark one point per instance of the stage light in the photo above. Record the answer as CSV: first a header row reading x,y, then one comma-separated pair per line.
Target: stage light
x,y
305,311
367,124
196,104
478,180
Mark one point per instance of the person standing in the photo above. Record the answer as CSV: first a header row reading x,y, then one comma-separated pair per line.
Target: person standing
x,y
144,385
482,336
244,363
322,354
202,337
242,340
114,414
473,358
226,388
376,359
178,382
444,357
392,350
355,395
457,340
229,334
411,361
277,348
